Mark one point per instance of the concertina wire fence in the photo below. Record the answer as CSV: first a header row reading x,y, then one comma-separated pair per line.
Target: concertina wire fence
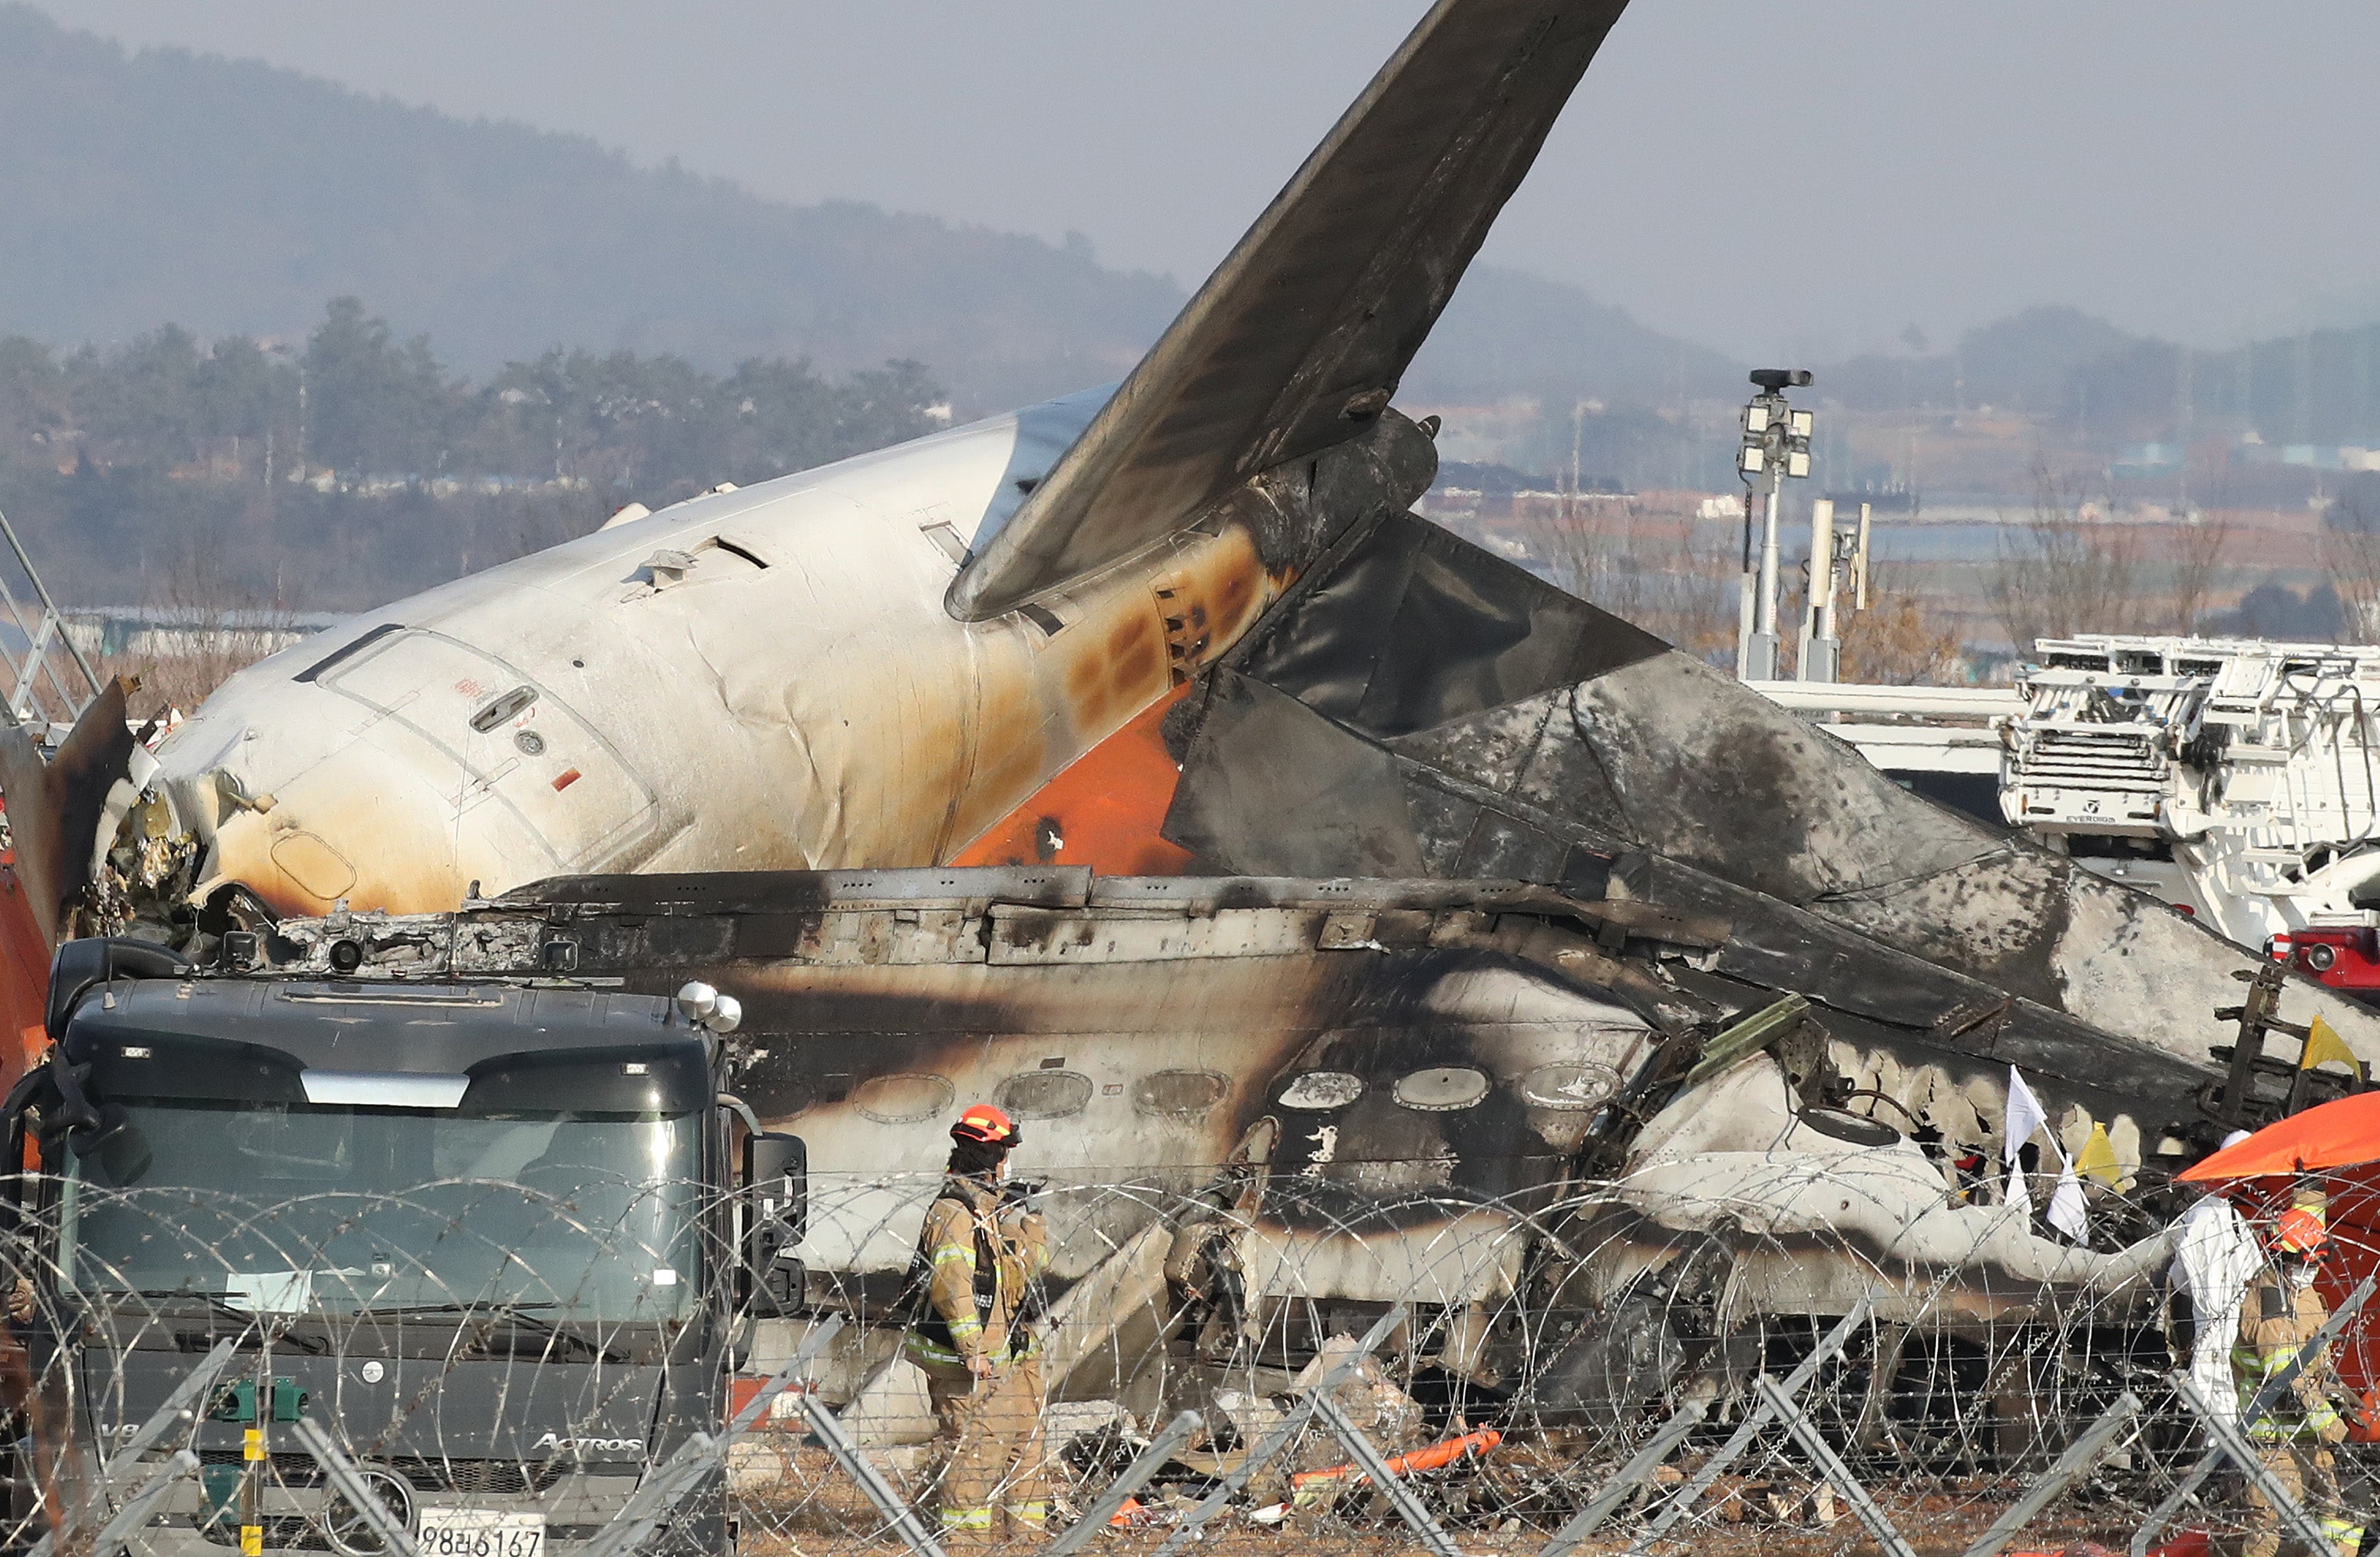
x,y
1606,1382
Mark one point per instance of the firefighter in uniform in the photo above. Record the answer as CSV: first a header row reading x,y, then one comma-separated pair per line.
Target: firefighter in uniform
x,y
976,1286
2278,1316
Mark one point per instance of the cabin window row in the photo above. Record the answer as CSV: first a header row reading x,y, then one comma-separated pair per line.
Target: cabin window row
x,y
1045,1094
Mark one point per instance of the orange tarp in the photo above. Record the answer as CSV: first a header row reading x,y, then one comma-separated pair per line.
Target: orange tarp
x,y
2344,1134
2334,1147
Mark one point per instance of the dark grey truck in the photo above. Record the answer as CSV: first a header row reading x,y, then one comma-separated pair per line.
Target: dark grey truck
x,y
496,1237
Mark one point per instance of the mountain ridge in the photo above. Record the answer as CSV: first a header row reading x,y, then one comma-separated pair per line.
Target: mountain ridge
x,y
235,197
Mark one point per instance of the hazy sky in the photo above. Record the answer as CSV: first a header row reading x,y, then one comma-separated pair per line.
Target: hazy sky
x,y
1807,178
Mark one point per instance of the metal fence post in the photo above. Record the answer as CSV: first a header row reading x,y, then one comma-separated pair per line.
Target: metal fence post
x,y
696,1457
2271,1390
2080,1457
1757,1417
855,1465
1805,1432
393,1537
182,1405
1277,1440
1640,1465
2293,1513
1376,1471
120,1530
1148,1463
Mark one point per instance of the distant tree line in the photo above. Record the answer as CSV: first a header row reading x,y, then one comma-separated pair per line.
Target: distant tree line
x,y
2096,381
353,466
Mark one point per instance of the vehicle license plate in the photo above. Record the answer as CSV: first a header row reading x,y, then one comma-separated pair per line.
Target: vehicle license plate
x,y
481,1532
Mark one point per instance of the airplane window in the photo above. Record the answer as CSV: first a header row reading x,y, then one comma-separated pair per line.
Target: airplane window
x,y
776,1094
1568,1087
1044,1094
1179,1094
1318,1091
903,1100
1442,1089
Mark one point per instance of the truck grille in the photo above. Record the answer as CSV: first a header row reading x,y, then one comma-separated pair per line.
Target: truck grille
x,y
2069,759
426,1474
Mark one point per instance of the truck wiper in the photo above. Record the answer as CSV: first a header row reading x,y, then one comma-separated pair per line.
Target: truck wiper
x,y
222,1307
517,1313
547,1327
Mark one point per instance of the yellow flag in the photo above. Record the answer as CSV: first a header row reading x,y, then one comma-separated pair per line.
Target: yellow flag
x,y
2322,1043
2098,1159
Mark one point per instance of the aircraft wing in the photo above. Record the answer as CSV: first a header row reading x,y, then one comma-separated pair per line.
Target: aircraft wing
x,y
1298,339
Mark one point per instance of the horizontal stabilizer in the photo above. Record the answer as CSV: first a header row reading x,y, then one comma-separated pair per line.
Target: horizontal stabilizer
x,y
1299,338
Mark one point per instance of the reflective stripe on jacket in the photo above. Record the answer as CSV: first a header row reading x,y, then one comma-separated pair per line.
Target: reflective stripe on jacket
x,y
979,1264
2275,1322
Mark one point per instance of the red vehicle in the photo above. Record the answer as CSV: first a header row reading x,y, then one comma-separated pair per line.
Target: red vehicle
x,y
2345,956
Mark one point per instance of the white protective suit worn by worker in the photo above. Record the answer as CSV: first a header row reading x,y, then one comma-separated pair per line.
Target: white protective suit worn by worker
x,y
2215,1254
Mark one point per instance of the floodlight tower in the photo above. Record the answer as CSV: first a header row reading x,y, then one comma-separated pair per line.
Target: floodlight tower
x,y
1776,446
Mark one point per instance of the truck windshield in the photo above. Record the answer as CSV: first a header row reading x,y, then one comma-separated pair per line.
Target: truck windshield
x,y
295,1208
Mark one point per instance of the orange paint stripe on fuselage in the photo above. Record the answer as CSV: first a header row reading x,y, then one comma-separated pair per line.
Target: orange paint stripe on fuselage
x,y
1103,810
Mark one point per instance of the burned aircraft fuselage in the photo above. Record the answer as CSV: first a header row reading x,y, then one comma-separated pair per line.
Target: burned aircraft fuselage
x,y
891,661
1409,1085
763,678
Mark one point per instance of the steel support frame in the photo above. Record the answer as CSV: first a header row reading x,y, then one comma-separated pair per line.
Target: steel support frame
x,y
2294,1514
2080,1457
1613,1493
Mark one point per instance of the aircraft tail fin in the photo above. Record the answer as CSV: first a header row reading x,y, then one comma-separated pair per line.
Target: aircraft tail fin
x,y
1299,338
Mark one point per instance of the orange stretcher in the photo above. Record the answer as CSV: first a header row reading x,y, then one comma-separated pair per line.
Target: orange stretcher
x,y
1308,1486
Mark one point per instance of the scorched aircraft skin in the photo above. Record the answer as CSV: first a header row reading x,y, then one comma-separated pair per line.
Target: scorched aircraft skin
x,y
905,658
1516,965
1498,1102
759,679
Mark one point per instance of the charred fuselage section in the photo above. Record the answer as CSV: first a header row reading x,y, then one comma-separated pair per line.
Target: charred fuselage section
x,y
1544,1119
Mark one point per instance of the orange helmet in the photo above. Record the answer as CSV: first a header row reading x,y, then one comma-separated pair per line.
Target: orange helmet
x,y
987,1126
2301,1230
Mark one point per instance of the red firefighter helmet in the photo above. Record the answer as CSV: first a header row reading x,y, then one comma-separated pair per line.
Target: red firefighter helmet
x,y
2300,1231
986,1125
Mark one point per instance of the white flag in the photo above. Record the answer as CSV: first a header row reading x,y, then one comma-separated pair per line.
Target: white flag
x,y
2018,1194
2024,1115
2065,1211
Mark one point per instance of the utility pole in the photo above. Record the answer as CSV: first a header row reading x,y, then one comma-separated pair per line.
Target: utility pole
x,y
1821,648
1776,446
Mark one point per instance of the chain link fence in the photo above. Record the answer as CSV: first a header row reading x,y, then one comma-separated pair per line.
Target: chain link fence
x,y
503,1367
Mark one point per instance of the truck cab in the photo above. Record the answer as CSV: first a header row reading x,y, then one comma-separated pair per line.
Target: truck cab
x,y
488,1235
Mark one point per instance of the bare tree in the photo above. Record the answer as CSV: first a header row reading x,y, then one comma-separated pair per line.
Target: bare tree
x,y
2199,546
205,624
1671,574
2061,573
2350,555
1897,641
2197,566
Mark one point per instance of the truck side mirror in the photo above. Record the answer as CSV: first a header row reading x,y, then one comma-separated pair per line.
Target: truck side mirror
x,y
776,1214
